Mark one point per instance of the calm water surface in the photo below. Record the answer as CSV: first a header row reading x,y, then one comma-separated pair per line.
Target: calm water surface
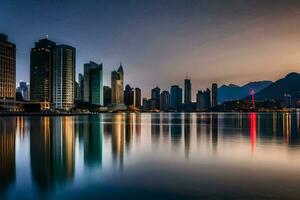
x,y
151,156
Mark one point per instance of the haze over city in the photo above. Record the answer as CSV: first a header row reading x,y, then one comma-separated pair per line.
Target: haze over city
x,y
163,42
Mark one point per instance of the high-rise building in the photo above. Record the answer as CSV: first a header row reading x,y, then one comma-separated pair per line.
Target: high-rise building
x,y
87,83
7,72
23,88
164,101
128,96
76,91
214,95
138,97
106,95
117,86
187,91
175,97
96,86
41,69
203,100
81,86
63,76
155,95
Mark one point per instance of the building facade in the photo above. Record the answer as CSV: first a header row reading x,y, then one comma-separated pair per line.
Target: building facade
x,y
214,95
23,88
81,86
106,95
63,77
137,98
128,96
187,91
96,86
7,72
175,97
41,68
155,95
203,100
117,86
165,101
87,83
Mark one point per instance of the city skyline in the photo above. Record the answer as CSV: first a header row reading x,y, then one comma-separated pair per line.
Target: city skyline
x,y
205,36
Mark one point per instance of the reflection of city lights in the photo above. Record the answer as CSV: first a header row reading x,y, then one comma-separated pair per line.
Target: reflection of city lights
x,y
287,126
253,131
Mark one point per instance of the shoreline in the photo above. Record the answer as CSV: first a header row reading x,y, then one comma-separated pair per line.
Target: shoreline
x,y
78,114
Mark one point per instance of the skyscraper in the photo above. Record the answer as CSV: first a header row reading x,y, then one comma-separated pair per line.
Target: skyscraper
x,y
96,86
7,72
138,97
41,68
24,90
155,95
165,101
128,96
203,100
176,97
81,86
117,86
187,91
106,95
63,76
214,95
87,83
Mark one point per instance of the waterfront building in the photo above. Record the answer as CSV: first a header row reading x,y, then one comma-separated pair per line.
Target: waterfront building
x,y
175,98
187,91
117,89
106,95
96,86
203,100
7,72
88,67
117,86
214,95
63,77
23,89
165,101
155,95
41,69
138,97
76,91
128,96
81,87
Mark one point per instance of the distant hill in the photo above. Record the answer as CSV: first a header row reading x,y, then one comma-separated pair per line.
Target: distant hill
x,y
235,92
290,84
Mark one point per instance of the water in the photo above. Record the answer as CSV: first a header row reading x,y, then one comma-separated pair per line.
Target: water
x,y
151,156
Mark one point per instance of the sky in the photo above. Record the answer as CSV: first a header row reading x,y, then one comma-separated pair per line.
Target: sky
x,y
163,42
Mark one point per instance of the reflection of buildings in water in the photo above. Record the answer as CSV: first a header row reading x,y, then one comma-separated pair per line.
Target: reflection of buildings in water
x,y
165,125
7,154
129,120
52,150
286,124
187,133
138,125
214,129
21,124
93,140
253,131
63,144
155,127
176,127
117,131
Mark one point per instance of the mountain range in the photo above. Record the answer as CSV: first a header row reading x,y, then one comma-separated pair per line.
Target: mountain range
x,y
290,84
235,92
